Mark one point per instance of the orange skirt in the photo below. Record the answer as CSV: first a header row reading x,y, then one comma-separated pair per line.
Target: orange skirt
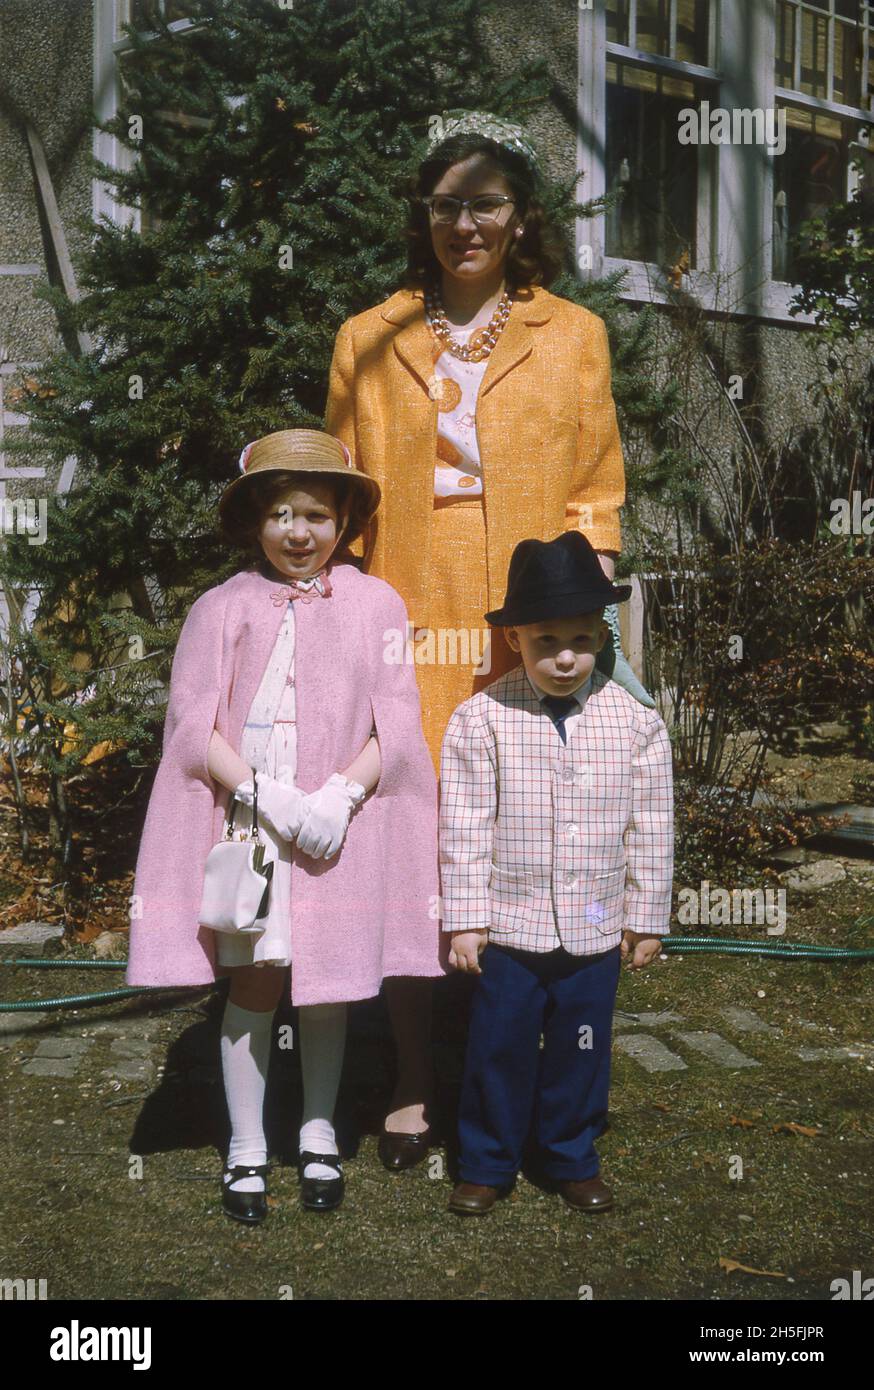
x,y
458,653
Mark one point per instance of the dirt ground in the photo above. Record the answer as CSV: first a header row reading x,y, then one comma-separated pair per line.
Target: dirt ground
x,y
715,1166
824,766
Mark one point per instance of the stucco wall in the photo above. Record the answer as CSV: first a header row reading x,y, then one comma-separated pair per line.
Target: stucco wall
x,y
47,76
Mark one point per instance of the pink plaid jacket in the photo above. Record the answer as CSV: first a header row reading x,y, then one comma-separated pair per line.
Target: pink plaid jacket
x,y
546,844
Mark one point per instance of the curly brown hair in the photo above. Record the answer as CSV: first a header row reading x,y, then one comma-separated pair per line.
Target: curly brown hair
x,y
535,258
242,520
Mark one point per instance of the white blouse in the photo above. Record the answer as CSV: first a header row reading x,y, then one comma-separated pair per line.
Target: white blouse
x,y
457,471
268,743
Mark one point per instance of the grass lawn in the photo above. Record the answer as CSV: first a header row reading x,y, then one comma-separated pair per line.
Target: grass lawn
x,y
800,1212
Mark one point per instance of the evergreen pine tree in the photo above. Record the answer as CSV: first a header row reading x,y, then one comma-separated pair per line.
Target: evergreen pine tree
x,y
272,149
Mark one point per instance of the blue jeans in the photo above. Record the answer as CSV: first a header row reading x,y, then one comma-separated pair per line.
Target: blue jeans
x,y
512,1087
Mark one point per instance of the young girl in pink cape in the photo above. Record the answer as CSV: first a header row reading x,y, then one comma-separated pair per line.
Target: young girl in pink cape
x,y
292,667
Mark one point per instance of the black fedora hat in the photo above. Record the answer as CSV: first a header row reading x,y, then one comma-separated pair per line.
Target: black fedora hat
x,y
555,579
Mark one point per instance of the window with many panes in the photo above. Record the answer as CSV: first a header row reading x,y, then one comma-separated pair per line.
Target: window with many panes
x,y
824,49
824,78
656,218
143,12
665,185
670,28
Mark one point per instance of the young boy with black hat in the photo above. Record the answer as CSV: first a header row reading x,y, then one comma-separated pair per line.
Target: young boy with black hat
x,y
556,855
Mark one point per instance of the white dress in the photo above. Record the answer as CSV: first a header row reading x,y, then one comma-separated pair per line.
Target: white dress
x,y
457,472
268,743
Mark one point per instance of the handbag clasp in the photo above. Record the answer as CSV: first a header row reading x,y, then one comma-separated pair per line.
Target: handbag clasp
x,y
248,834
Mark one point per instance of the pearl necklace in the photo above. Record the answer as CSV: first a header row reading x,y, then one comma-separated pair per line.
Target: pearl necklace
x,y
481,342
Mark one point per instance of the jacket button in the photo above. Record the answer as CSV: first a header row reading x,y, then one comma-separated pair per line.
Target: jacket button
x,y
570,879
568,774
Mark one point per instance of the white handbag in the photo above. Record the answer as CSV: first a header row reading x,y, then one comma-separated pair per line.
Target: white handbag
x,y
236,881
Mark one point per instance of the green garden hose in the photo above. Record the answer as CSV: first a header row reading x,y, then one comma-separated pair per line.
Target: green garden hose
x,y
694,945
74,1000
785,950
71,962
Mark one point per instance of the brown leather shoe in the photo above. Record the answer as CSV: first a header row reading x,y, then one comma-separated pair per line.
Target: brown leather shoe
x,y
473,1199
399,1151
591,1195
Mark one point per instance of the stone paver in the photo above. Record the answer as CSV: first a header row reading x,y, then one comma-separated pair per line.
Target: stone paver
x,y
62,1047
716,1049
14,1026
51,1066
124,1028
834,1054
745,1021
29,938
131,1047
647,1020
809,878
58,1056
649,1052
129,1070
132,1051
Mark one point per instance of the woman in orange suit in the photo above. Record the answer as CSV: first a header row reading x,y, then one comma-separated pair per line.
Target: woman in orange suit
x,y
481,404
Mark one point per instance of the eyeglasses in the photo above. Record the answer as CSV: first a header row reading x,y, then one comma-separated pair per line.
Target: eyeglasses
x,y
486,208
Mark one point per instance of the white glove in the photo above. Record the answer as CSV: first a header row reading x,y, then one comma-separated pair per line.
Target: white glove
x,y
281,804
327,814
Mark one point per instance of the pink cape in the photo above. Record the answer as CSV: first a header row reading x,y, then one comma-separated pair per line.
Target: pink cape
x,y
372,910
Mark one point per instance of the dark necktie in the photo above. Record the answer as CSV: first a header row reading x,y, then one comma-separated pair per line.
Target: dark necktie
x,y
559,707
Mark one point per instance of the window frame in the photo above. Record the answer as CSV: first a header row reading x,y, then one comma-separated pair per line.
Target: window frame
x,y
707,171
109,42
737,252
645,281
782,290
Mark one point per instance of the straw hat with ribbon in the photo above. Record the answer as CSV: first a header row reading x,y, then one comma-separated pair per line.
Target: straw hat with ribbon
x,y
298,451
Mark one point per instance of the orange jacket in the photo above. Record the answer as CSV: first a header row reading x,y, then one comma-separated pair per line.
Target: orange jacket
x,y
546,427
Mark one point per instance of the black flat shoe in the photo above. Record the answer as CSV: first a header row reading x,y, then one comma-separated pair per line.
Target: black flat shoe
x,y
398,1151
250,1207
321,1194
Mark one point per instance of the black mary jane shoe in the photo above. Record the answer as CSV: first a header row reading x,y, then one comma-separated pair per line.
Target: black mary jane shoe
x,y
250,1207
321,1194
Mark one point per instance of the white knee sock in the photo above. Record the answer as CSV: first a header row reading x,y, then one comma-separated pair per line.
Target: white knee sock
x,y
322,1043
245,1049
